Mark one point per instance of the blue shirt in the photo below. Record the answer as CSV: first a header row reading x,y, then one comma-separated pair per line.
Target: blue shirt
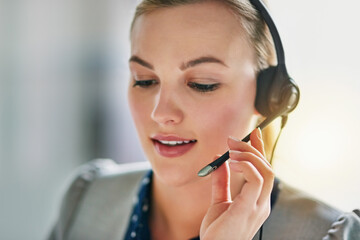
x,y
138,228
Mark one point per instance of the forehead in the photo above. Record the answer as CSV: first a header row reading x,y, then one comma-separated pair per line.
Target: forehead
x,y
208,28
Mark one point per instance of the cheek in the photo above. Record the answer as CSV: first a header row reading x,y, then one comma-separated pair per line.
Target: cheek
x,y
224,119
229,115
140,110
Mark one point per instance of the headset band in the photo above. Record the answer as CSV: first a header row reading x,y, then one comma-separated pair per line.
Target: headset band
x,y
261,8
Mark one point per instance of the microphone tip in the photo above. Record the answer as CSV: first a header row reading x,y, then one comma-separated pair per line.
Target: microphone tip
x,y
205,171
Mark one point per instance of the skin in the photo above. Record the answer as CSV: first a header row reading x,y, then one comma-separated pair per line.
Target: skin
x,y
233,202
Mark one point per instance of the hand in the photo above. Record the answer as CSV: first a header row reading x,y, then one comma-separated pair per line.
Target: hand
x,y
241,217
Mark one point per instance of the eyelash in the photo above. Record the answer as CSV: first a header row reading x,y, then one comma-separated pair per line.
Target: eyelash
x,y
196,86
144,83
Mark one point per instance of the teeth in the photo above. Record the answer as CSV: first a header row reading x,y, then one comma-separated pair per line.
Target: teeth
x,y
173,143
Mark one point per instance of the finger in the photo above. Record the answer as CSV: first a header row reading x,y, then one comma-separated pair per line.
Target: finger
x,y
236,144
263,169
251,190
257,141
266,191
220,180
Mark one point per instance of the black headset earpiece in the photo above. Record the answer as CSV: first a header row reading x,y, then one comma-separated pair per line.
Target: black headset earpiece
x,y
264,83
277,94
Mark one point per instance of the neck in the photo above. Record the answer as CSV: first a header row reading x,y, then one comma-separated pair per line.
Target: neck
x,y
177,211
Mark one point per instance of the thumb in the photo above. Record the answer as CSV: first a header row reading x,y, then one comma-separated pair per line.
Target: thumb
x,y
220,180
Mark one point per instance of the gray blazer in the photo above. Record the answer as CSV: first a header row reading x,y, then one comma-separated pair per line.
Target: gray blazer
x,y
99,202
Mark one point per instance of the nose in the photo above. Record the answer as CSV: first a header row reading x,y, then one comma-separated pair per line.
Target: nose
x,y
166,109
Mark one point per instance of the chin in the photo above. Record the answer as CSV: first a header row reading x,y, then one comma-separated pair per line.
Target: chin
x,y
176,175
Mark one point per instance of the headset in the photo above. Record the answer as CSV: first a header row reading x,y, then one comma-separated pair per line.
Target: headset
x,y
276,94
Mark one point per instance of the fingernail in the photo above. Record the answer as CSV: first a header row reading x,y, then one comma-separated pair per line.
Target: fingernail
x,y
258,133
232,161
233,152
234,138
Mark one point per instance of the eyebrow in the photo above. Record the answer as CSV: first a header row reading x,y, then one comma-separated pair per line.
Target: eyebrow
x,y
184,66
201,60
140,61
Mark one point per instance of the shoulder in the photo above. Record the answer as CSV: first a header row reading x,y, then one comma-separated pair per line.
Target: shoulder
x,y
347,227
297,215
99,200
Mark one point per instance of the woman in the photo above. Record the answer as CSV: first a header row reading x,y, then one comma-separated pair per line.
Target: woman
x,y
192,91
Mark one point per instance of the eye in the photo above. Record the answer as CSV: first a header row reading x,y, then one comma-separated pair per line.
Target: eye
x,y
144,83
203,87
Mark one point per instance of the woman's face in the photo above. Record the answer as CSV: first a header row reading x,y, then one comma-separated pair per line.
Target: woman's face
x,y
192,78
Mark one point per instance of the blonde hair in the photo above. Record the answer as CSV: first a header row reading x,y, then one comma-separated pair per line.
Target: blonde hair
x,y
257,35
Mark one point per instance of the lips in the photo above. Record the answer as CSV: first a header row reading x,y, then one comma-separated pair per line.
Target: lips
x,y
172,145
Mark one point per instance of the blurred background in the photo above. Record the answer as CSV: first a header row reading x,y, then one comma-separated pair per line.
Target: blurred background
x,y
63,79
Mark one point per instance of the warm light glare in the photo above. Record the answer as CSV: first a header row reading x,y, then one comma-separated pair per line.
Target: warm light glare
x,y
318,151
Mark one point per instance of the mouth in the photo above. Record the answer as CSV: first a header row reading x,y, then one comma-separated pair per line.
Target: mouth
x,y
173,147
